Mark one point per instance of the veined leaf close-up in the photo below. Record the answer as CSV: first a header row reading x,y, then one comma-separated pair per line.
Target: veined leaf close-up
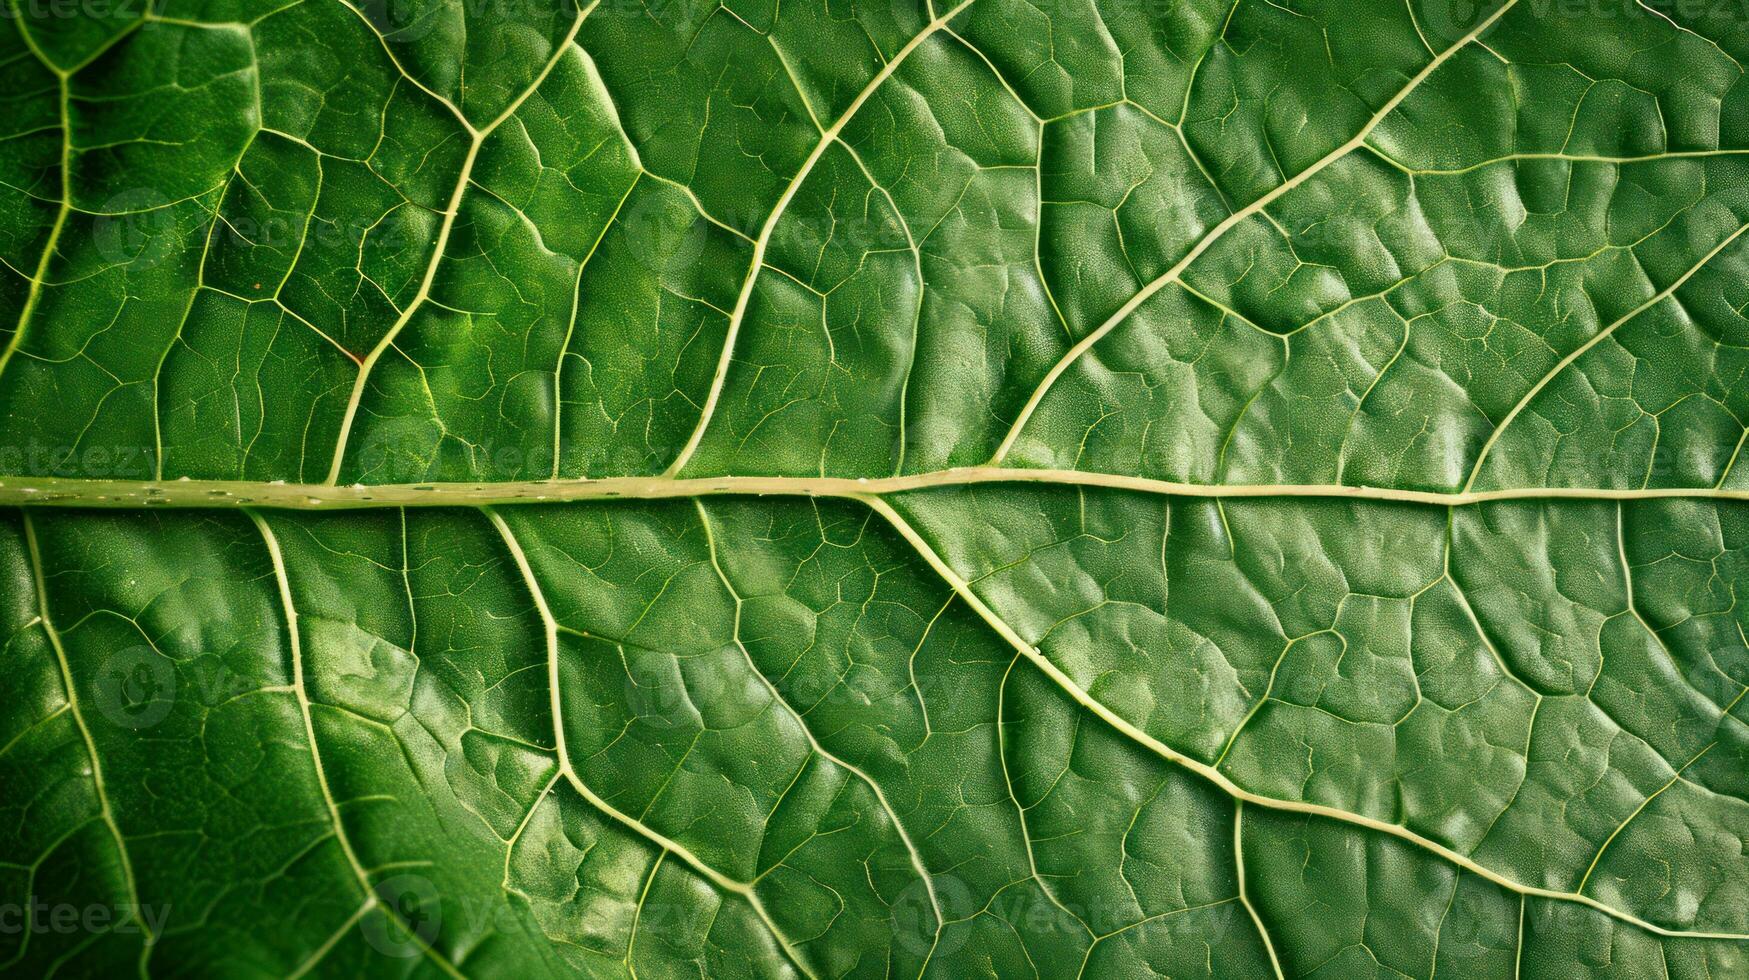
x,y
870,488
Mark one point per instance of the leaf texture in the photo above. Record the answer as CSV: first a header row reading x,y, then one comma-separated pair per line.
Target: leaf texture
x,y
1119,488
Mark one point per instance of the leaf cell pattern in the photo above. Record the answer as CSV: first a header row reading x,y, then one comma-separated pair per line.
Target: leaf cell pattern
x,y
1111,488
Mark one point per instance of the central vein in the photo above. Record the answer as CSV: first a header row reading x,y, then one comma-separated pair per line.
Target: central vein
x,y
74,492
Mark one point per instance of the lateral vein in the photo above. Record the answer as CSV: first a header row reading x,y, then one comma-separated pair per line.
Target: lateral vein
x,y
34,294
757,262
1227,224
550,628
917,863
477,139
1597,338
1219,779
104,808
294,641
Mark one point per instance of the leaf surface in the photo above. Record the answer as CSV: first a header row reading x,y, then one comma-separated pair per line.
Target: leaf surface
x,y
874,489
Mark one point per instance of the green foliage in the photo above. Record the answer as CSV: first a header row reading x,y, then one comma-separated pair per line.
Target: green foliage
x,y
1117,488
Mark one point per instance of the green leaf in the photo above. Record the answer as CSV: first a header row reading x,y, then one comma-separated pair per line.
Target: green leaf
x,y
1111,489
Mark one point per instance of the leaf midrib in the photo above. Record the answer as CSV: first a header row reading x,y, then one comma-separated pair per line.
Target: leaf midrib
x,y
50,491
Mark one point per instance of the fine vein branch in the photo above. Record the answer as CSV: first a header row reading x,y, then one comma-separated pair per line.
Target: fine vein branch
x,y
1239,794
757,262
1259,206
122,494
